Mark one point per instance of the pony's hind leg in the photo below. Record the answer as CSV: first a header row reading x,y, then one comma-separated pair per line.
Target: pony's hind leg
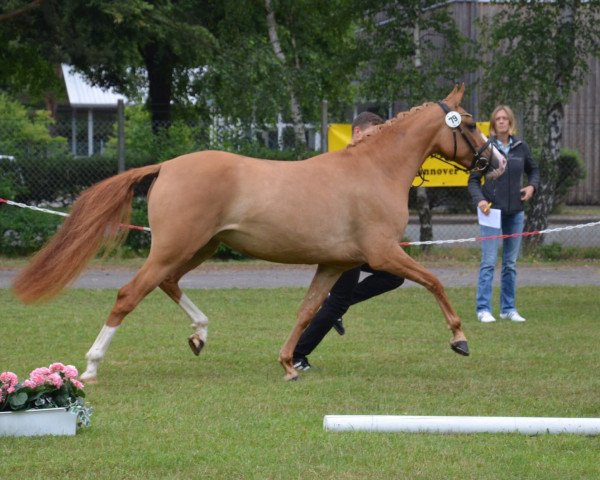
x,y
128,297
321,284
170,286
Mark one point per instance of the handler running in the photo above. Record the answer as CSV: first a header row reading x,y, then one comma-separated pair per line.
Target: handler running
x,y
347,290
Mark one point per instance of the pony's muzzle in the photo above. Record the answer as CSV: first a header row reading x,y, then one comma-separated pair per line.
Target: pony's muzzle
x,y
497,164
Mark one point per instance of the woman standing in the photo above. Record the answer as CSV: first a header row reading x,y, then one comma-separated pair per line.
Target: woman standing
x,y
506,194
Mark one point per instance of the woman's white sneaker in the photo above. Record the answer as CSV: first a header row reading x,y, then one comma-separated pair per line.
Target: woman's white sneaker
x,y
513,316
485,317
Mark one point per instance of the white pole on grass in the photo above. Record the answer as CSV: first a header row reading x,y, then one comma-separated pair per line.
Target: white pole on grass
x,y
443,424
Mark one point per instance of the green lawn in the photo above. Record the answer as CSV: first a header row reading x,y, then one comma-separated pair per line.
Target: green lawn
x,y
161,412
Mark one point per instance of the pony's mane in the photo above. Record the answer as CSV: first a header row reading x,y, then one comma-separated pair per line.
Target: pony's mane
x,y
376,129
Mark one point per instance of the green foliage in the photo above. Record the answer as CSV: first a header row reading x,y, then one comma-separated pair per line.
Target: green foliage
x,y
541,56
24,132
27,65
399,67
143,146
10,179
570,169
556,251
23,232
35,154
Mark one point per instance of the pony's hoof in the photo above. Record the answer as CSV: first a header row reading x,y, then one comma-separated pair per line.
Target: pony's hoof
x,y
196,344
292,377
88,379
461,347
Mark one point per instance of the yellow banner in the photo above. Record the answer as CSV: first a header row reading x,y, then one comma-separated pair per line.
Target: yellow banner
x,y
338,136
436,172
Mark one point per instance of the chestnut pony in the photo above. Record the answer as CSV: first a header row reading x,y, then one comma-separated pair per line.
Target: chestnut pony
x,y
337,210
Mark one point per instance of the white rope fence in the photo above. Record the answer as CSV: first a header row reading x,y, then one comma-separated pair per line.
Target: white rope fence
x,y
55,212
430,242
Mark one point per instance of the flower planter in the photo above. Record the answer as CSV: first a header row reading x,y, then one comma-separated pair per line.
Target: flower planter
x,y
47,421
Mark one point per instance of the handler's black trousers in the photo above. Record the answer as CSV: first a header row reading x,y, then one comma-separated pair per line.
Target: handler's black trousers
x,y
346,292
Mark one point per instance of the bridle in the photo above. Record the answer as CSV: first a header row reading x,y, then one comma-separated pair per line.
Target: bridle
x,y
480,162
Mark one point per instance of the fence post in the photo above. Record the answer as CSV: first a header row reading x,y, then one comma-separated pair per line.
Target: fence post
x,y
121,136
74,132
90,124
324,125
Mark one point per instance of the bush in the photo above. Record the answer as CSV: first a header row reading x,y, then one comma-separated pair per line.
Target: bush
x,y
61,179
145,145
571,169
23,232
24,138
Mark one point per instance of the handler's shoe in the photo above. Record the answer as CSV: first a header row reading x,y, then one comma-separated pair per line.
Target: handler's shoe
x,y
301,363
485,317
513,315
338,325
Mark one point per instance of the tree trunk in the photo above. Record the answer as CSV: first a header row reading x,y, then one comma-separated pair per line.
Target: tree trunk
x,y
426,231
159,65
295,110
543,201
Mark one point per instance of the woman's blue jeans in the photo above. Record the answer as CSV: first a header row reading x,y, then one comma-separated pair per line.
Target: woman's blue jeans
x,y
511,223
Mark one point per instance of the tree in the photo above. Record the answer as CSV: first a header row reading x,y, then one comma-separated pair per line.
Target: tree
x,y
123,45
540,52
294,104
25,69
314,43
415,51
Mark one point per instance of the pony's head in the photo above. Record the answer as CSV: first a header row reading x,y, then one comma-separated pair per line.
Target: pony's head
x,y
463,143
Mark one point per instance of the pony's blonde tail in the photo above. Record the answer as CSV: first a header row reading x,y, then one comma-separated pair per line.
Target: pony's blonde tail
x,y
94,221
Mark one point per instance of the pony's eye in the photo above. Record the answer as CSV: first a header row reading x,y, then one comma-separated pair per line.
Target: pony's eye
x,y
472,127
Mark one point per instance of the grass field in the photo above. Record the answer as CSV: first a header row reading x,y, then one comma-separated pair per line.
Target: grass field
x,y
161,412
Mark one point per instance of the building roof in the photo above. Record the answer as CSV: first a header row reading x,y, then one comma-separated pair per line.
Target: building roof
x,y
83,95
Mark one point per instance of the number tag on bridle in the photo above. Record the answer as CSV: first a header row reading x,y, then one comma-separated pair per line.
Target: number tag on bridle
x,y
453,119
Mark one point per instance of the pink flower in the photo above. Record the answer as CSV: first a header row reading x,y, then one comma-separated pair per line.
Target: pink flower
x,y
55,379
71,372
8,378
57,367
77,384
41,376
38,376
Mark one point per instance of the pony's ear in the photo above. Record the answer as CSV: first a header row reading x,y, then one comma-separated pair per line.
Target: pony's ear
x,y
455,96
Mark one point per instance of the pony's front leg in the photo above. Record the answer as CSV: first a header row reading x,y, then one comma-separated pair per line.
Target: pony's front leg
x,y
325,277
400,263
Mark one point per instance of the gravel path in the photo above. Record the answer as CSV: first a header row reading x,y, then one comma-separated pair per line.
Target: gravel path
x,y
274,276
